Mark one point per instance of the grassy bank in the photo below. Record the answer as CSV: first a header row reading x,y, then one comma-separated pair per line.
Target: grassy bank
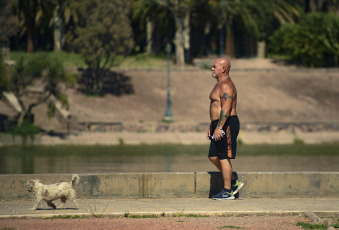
x,y
73,60
162,158
152,150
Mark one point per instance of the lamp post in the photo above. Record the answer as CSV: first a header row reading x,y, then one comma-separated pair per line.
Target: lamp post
x,y
168,115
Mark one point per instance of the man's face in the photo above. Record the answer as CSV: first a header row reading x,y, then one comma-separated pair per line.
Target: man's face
x,y
216,69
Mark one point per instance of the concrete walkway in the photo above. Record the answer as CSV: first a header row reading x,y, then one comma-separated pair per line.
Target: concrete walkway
x,y
323,207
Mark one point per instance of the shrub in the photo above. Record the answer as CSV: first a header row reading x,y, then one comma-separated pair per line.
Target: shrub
x,y
103,35
25,130
314,40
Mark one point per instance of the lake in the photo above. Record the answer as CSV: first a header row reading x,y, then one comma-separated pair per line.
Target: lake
x,y
163,158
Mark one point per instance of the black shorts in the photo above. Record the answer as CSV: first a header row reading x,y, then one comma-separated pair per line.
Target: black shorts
x,y
226,148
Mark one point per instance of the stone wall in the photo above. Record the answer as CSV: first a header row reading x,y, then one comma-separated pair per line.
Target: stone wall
x,y
199,127
190,184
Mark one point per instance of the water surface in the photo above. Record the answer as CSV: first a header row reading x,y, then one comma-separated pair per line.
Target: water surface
x,y
163,158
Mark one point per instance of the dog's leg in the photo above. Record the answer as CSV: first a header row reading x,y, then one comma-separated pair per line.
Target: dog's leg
x,y
63,201
62,204
50,204
75,203
35,206
73,198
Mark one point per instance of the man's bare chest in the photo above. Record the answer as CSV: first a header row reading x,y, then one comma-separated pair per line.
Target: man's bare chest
x,y
214,95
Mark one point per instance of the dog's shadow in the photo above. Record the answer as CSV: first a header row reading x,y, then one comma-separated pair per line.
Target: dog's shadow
x,y
56,209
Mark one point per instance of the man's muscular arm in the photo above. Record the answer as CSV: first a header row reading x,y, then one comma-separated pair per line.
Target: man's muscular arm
x,y
226,106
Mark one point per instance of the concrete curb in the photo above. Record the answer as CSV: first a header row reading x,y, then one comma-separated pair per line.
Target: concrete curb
x,y
180,185
168,214
176,207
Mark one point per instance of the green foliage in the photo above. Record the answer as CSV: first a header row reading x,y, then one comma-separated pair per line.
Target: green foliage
x,y
42,72
73,60
48,71
240,141
231,226
8,21
66,217
312,226
298,141
257,17
121,141
144,61
318,226
4,76
68,60
101,33
140,216
182,214
291,149
314,40
280,41
25,130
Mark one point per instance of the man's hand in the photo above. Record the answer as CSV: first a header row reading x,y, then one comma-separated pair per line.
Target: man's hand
x,y
217,134
208,133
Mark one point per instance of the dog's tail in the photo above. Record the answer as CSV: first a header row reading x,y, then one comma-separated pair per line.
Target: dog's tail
x,y
75,180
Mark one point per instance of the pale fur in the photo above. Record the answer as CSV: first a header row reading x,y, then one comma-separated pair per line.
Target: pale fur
x,y
51,192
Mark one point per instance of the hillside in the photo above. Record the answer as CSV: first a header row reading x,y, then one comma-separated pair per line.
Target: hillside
x,y
267,92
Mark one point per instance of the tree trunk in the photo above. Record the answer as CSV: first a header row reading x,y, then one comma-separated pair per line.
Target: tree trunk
x,y
5,50
179,42
261,49
186,34
29,9
57,29
30,38
20,119
149,30
230,45
23,111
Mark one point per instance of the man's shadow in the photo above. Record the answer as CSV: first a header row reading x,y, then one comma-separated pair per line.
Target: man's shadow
x,y
217,183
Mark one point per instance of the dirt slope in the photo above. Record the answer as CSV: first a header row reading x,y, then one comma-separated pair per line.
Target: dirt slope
x,y
266,92
288,95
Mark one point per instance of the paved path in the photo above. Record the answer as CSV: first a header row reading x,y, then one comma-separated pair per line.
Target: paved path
x,y
176,206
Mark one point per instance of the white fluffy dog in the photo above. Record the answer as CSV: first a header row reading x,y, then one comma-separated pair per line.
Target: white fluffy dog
x,y
51,192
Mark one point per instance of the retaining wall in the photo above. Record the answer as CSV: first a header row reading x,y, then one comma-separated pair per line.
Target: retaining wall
x,y
188,184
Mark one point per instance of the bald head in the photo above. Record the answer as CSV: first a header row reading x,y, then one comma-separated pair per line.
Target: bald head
x,y
225,62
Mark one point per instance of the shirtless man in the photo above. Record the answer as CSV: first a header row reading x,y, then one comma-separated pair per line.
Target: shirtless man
x,y
224,128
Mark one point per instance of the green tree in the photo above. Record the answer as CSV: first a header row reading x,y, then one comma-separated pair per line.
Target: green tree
x,y
8,21
101,32
57,13
322,5
40,72
314,40
38,16
152,23
61,17
255,17
4,79
180,10
279,11
27,12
